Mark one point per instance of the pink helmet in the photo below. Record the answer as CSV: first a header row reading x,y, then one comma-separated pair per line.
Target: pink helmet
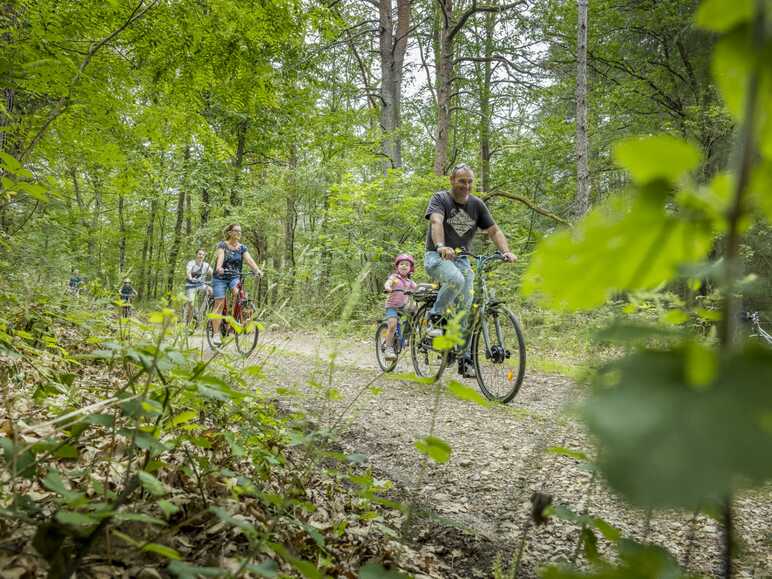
x,y
405,257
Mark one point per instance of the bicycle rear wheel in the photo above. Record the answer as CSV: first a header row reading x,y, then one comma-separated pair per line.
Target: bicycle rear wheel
x,y
380,349
501,365
427,362
246,341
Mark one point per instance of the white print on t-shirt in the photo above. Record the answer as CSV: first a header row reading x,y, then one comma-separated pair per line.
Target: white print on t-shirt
x,y
461,222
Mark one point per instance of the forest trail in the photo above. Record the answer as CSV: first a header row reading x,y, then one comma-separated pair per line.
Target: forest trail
x,y
479,501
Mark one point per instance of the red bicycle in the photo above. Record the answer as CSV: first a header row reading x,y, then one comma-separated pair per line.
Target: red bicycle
x,y
242,324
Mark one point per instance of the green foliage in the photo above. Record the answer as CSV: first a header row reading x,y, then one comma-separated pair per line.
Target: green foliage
x,y
622,245
670,441
636,562
435,448
659,157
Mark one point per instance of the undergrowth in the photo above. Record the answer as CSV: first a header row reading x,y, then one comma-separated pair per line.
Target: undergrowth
x,y
129,452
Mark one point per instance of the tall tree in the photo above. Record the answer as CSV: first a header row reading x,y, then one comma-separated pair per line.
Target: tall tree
x,y
448,28
393,39
582,200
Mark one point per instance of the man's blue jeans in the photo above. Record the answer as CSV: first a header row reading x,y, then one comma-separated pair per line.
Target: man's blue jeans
x,y
457,279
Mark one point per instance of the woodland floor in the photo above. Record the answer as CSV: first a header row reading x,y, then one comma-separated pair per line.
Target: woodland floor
x,y
477,505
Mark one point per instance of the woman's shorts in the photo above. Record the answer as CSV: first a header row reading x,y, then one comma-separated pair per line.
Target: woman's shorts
x,y
219,285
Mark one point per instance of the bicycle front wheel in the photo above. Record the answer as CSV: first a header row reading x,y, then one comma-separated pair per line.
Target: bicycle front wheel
x,y
246,341
427,362
380,348
498,348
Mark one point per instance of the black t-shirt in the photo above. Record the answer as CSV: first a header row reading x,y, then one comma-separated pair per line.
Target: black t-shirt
x,y
461,221
232,258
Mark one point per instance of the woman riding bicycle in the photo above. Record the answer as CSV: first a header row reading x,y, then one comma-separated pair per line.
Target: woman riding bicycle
x,y
197,272
398,283
229,259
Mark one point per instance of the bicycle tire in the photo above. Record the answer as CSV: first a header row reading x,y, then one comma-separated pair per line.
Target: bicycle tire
x,y
499,369
246,342
380,346
210,333
427,362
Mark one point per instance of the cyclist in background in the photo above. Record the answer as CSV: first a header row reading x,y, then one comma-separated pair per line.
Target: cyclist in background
x,y
73,286
396,285
127,294
229,259
196,274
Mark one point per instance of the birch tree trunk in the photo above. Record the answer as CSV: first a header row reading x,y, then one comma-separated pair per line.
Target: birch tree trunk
x,y
582,200
486,107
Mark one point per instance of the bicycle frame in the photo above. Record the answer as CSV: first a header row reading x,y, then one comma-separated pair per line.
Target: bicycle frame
x,y
241,298
482,300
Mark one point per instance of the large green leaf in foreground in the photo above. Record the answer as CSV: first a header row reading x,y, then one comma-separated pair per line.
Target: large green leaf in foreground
x,y
621,245
668,441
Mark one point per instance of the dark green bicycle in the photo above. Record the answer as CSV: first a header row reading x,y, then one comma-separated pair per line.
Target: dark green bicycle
x,y
497,343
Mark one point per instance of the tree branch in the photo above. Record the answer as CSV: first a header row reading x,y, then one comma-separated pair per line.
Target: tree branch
x,y
64,101
529,203
474,9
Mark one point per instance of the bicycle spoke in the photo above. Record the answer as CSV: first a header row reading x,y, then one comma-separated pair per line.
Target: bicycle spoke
x,y
499,360
427,362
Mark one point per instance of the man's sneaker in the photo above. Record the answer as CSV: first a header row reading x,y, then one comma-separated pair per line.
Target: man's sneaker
x,y
435,329
466,367
389,354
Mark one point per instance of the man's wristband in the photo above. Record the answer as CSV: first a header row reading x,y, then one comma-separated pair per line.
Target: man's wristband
x,y
439,246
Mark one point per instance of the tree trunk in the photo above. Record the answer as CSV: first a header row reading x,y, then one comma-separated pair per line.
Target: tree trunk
x,y
204,206
290,222
238,162
159,258
393,45
95,251
177,240
444,84
486,107
6,116
175,249
188,212
122,240
147,252
582,201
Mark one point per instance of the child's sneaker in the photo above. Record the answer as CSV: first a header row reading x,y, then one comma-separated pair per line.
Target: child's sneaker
x,y
435,329
389,354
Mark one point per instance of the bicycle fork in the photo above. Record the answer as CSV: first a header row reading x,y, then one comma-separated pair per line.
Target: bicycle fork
x,y
497,353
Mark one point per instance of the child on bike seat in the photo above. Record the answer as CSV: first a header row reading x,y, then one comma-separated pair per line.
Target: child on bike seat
x,y
396,285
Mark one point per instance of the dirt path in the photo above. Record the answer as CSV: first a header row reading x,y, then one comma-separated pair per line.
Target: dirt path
x,y
479,502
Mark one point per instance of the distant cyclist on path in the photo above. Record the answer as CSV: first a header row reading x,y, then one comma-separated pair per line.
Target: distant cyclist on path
x,y
196,274
454,218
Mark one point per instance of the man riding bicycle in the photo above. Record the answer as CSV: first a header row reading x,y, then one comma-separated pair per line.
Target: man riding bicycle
x,y
196,274
454,218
